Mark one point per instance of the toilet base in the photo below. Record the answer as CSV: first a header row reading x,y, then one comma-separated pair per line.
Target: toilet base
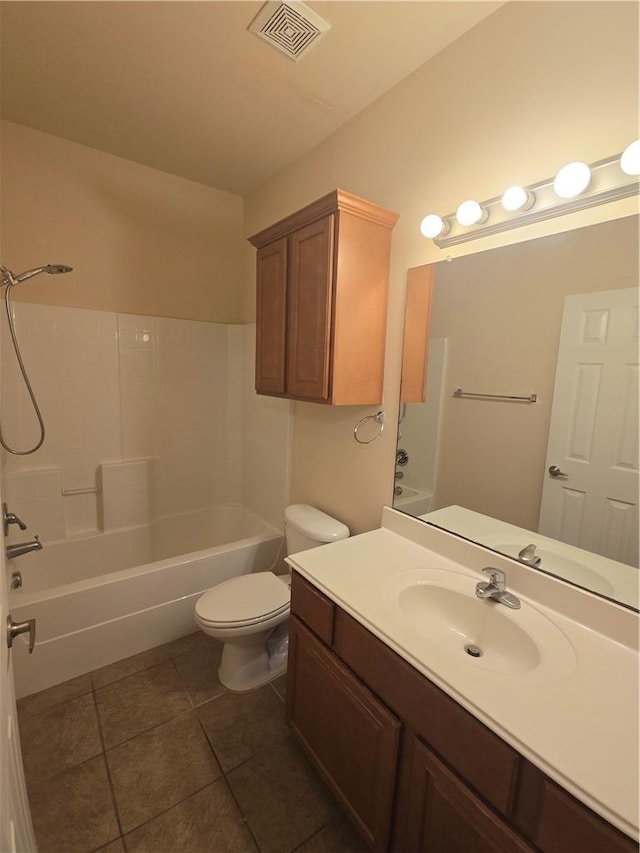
x,y
244,668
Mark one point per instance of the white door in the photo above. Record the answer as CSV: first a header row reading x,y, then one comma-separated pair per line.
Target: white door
x,y
592,501
16,830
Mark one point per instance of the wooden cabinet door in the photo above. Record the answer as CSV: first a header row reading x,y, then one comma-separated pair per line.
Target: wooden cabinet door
x,y
271,318
310,307
444,816
351,737
415,349
567,826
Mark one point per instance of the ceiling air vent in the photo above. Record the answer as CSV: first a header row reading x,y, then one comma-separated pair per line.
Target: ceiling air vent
x,y
292,27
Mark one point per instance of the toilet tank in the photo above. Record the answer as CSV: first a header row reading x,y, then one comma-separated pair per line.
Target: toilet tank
x,y
307,527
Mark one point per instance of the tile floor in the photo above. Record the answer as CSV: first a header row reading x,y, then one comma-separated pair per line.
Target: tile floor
x,y
152,754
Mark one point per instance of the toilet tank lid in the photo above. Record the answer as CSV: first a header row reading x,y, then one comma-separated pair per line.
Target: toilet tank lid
x,y
315,524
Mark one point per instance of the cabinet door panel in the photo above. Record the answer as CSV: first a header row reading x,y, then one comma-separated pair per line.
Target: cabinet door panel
x,y
310,309
271,314
350,736
444,816
567,826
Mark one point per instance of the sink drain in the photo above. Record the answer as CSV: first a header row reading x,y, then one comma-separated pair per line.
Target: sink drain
x,y
473,651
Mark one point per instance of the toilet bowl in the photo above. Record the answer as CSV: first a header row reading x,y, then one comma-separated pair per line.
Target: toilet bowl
x,y
245,612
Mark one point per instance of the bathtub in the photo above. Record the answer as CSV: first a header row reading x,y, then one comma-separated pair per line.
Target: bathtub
x,y
102,597
414,502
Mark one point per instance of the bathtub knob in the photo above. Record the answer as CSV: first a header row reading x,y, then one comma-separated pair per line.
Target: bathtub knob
x,y
10,518
15,628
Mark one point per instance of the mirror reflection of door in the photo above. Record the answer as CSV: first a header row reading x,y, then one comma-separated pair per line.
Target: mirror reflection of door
x,y
495,328
592,500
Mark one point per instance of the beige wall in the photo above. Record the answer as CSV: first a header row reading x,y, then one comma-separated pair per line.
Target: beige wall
x,y
140,241
532,86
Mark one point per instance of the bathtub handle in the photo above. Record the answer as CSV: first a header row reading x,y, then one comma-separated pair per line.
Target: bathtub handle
x,y
16,628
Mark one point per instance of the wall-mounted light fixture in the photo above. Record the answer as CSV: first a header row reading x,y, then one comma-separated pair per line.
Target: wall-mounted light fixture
x,y
576,186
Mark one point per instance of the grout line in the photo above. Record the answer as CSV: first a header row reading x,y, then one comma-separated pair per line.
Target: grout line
x,y
106,763
29,714
150,729
128,675
313,835
245,819
275,690
173,806
210,745
243,816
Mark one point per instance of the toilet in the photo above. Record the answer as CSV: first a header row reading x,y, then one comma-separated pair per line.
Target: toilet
x,y
248,613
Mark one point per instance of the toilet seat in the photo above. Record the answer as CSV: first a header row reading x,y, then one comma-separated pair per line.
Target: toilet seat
x,y
245,600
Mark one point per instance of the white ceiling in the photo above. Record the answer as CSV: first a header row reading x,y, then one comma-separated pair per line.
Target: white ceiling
x,y
184,87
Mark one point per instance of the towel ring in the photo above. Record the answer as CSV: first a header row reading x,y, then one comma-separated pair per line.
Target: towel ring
x,y
378,418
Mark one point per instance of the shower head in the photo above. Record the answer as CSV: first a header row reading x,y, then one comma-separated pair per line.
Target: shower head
x,y
51,269
56,269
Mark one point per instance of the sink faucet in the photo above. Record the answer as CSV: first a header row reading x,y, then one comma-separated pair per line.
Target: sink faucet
x,y
21,548
496,589
528,555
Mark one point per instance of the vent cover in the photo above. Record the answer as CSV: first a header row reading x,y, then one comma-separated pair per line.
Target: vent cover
x,y
292,27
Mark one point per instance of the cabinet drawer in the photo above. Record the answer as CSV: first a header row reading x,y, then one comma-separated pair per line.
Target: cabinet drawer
x,y
488,764
312,607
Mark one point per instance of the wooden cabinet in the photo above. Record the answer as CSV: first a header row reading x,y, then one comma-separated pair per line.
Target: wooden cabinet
x,y
351,737
414,770
321,309
444,814
415,349
558,823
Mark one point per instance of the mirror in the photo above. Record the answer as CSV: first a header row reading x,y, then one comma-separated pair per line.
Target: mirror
x,y
532,372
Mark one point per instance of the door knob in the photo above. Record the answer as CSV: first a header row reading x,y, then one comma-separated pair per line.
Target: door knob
x,y
556,472
16,628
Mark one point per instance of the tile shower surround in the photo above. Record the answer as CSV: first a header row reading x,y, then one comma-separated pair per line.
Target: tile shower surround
x,y
177,395
152,754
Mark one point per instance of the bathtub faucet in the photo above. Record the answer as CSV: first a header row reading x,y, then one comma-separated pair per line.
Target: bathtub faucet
x,y
21,548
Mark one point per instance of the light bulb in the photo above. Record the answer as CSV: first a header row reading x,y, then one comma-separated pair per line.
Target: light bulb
x,y
433,226
572,179
517,198
630,160
470,213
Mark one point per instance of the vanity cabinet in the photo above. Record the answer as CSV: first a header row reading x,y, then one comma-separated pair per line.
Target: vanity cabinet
x,y
321,308
351,736
444,814
413,769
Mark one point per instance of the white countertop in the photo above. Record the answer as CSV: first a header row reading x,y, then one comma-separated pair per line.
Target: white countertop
x,y
614,580
579,725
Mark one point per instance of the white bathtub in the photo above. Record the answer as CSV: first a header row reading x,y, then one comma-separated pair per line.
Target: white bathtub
x,y
100,598
414,502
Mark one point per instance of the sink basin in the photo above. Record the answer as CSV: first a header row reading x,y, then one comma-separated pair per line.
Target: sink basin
x,y
442,608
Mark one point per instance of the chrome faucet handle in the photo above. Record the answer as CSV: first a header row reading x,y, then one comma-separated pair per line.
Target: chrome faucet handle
x,y
528,555
10,518
497,578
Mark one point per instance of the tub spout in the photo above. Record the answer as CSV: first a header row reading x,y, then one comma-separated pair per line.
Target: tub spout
x,y
21,548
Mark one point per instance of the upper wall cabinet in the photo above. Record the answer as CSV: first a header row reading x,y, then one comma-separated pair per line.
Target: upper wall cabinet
x,y
322,288
416,334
